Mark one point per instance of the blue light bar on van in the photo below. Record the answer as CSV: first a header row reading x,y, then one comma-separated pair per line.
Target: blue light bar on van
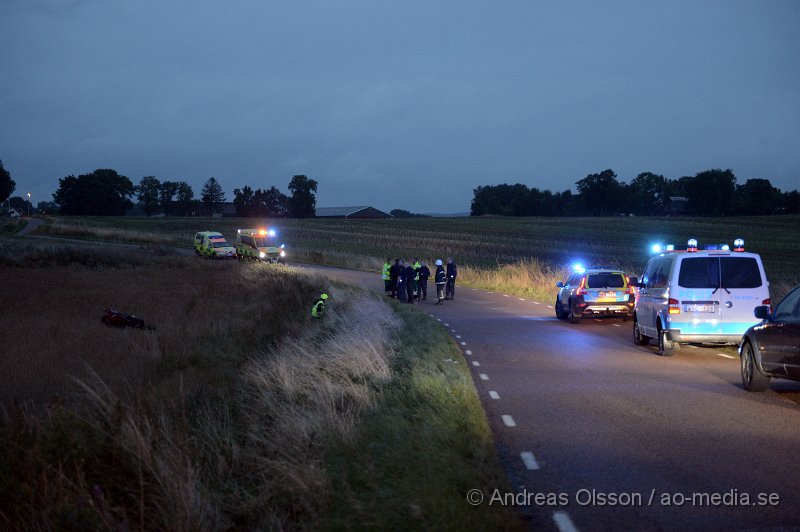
x,y
670,247
656,248
578,268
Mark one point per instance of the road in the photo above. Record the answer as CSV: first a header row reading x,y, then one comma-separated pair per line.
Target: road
x,y
581,416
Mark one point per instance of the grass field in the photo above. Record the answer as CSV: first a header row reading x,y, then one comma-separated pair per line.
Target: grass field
x,y
521,255
236,411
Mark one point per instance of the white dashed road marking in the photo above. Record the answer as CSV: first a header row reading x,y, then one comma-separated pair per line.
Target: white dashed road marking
x,y
484,377
529,460
724,355
476,363
522,299
468,352
616,325
563,522
506,295
438,319
509,421
463,343
550,306
447,325
536,303
458,336
494,395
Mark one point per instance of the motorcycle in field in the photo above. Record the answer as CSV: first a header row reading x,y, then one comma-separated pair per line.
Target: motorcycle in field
x,y
115,318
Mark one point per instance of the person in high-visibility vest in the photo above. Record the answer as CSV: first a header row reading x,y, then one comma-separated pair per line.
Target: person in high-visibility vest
x,y
440,277
319,307
387,281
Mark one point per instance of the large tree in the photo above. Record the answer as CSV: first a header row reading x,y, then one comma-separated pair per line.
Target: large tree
x,y
185,202
244,202
711,193
7,185
103,192
271,203
212,195
601,194
646,192
169,189
147,193
302,202
757,196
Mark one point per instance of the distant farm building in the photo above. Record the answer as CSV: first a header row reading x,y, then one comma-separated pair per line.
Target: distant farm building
x,y
672,206
352,213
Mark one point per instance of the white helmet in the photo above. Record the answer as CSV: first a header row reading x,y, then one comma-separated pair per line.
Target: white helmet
x,y
438,262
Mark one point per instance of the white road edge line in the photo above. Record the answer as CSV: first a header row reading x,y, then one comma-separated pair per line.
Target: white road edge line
x,y
563,522
484,377
494,395
508,420
476,363
529,460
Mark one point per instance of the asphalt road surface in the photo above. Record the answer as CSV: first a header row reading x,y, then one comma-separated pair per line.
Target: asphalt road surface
x,y
596,433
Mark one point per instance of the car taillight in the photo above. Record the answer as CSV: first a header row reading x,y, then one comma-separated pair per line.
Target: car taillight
x,y
629,290
674,306
768,302
581,291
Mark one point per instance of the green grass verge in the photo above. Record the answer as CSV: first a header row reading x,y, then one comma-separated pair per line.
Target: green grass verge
x,y
421,448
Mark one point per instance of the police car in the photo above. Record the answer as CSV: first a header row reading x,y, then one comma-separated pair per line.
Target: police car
x,y
212,244
700,296
260,244
594,292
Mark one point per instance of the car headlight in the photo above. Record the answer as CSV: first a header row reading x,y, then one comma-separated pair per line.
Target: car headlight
x,y
262,255
283,253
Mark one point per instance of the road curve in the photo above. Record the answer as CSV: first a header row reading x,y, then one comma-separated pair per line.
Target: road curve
x,y
596,433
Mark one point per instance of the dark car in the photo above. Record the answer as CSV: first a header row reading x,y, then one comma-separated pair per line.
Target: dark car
x,y
594,292
772,348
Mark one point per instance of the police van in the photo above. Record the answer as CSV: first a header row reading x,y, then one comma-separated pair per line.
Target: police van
x,y
259,244
212,244
698,296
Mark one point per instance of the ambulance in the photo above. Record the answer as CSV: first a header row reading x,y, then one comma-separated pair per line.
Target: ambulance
x,y
698,296
212,244
259,244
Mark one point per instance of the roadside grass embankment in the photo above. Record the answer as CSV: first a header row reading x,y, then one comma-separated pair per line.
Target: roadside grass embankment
x,y
236,411
489,244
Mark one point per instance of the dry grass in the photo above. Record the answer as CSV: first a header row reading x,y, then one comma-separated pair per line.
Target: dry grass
x,y
230,414
214,418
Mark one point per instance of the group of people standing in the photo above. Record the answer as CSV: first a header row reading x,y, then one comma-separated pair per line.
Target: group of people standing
x,y
407,280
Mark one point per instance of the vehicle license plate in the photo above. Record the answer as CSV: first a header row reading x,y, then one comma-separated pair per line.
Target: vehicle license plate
x,y
608,294
700,308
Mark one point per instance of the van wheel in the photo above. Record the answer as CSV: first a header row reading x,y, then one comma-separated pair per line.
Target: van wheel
x,y
573,318
666,348
559,311
638,337
752,378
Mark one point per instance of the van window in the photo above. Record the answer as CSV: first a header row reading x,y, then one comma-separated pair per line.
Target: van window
x,y
605,280
699,272
740,272
716,272
657,276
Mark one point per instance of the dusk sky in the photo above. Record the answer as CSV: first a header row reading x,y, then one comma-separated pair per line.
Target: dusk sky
x,y
405,105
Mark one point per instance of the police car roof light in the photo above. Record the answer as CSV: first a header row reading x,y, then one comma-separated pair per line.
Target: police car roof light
x,y
738,245
691,246
656,248
578,268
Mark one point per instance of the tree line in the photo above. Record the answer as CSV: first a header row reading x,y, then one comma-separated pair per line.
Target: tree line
x,y
708,193
105,192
